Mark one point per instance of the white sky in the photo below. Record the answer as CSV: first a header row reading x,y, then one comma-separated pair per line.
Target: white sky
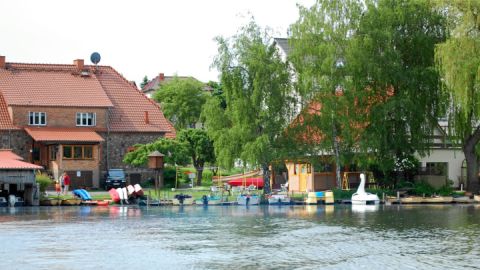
x,y
136,37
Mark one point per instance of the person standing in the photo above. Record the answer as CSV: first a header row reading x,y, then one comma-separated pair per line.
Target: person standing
x,y
57,187
66,182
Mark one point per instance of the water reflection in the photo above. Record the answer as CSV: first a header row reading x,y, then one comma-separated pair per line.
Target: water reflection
x,y
255,237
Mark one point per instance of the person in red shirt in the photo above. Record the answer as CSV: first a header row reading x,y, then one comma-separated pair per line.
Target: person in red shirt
x,y
66,182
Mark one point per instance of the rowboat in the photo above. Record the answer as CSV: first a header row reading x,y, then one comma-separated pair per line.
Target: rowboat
x,y
248,199
279,199
71,202
50,202
438,199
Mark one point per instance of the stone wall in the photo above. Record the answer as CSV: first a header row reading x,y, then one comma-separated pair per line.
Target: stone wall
x,y
119,145
18,141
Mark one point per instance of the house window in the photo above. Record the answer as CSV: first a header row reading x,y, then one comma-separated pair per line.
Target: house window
x,y
77,152
67,152
53,152
86,119
37,118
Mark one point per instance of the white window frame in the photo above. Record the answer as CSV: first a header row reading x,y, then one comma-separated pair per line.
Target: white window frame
x,y
84,116
37,116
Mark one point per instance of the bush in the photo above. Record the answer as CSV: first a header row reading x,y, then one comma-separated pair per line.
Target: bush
x,y
423,188
43,180
445,190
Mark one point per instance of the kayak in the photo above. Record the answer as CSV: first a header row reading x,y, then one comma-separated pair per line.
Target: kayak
x,y
83,194
138,190
257,181
114,195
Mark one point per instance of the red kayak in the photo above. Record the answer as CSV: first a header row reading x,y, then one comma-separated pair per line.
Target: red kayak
x,y
114,195
257,181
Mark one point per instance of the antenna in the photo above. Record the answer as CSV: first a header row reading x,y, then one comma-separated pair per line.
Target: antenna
x,y
95,58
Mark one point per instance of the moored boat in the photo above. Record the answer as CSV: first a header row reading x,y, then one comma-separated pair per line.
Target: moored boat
x,y
50,202
363,198
3,202
209,200
71,202
248,199
103,203
279,199
182,199
411,199
463,199
14,201
438,199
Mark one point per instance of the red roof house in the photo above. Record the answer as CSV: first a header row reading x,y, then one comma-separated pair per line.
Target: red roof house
x,y
77,118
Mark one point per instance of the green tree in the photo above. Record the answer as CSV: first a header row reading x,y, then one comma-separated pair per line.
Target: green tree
x,y
320,42
394,59
144,82
199,148
458,59
175,152
182,101
256,84
387,71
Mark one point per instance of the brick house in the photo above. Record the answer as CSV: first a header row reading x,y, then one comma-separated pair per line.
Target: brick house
x,y
76,118
155,84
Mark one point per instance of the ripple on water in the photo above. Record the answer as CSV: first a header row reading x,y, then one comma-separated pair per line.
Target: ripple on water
x,y
237,237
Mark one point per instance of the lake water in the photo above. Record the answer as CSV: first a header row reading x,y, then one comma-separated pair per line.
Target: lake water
x,y
236,237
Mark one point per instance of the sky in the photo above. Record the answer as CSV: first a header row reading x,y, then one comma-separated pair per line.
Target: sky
x,y
136,37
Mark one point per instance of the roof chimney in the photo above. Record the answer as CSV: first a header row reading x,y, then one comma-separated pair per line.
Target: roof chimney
x,y
78,63
147,121
161,77
2,61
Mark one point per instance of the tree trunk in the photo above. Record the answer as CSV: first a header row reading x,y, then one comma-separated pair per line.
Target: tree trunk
x,y
266,179
472,161
199,175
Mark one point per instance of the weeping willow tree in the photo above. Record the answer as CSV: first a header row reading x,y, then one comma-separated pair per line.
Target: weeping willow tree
x,y
458,59
255,84
381,54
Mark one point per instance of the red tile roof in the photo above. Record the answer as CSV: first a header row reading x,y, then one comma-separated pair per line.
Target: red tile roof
x,y
5,120
10,161
63,85
50,85
13,164
45,134
8,154
130,105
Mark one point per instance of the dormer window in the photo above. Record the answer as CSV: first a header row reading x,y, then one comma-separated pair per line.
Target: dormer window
x,y
86,119
37,118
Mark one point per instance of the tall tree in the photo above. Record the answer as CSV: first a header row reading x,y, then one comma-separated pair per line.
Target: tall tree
x,y
394,60
320,41
182,101
199,147
391,87
255,83
459,61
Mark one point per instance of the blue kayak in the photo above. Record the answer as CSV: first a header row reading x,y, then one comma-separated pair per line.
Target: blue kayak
x,y
83,194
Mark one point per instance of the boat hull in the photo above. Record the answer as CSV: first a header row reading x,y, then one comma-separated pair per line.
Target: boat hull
x,y
248,200
365,202
50,202
186,201
279,200
71,202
